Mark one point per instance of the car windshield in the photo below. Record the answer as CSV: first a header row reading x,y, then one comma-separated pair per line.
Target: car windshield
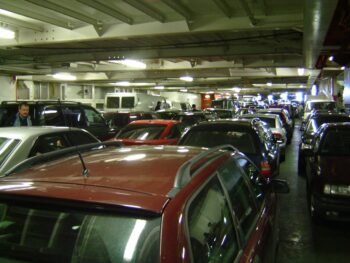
x,y
242,140
315,123
142,132
32,233
6,147
336,142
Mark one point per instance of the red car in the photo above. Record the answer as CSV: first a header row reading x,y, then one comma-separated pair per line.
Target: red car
x,y
144,204
150,132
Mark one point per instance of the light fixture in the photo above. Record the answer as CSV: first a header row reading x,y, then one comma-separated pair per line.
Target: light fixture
x,y
236,89
207,96
314,90
331,58
159,87
301,71
269,84
186,78
301,86
122,83
130,63
183,90
342,68
64,76
7,33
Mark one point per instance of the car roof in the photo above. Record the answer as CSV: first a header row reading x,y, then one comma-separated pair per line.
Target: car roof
x,y
154,121
131,177
238,122
272,116
23,133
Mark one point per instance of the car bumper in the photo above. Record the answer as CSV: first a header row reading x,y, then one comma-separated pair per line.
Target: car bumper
x,y
333,208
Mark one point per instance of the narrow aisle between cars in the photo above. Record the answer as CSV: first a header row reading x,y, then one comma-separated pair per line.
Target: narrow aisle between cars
x,y
300,240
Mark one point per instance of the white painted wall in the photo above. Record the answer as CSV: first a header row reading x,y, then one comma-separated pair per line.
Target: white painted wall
x,y
7,88
190,98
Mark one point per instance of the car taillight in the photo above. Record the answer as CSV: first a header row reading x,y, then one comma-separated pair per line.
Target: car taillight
x,y
278,137
265,169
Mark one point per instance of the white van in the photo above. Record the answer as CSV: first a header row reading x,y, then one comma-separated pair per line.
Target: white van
x,y
131,101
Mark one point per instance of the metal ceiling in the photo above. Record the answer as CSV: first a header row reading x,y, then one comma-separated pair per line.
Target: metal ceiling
x,y
220,43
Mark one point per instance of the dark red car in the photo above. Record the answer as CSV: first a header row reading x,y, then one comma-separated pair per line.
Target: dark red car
x,y
141,204
150,132
328,181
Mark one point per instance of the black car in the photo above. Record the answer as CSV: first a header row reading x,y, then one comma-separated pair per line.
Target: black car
x,y
249,136
328,191
188,119
58,113
315,121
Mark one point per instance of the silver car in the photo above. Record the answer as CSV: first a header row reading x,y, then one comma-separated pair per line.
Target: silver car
x,y
20,143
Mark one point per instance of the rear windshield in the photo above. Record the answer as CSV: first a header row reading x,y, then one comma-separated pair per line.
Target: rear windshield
x,y
142,132
113,102
6,147
336,142
242,140
37,234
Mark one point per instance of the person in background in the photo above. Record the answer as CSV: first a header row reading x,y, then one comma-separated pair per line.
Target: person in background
x,y
159,103
22,116
194,107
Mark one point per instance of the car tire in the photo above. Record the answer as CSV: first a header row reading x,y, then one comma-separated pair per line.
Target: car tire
x,y
314,213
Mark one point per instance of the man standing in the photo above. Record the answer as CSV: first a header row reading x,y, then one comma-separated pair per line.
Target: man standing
x,y
22,116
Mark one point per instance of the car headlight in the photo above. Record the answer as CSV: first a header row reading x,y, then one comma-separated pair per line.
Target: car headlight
x,y
336,189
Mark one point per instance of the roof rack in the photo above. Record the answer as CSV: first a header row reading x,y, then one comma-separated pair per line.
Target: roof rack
x,y
183,175
50,156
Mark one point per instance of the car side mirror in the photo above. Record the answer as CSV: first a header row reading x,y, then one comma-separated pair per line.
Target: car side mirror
x,y
280,186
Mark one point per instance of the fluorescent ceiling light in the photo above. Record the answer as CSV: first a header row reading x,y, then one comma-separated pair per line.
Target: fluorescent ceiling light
x,y
269,84
331,58
301,71
159,87
301,86
6,33
64,76
183,90
236,89
122,83
186,78
342,68
130,63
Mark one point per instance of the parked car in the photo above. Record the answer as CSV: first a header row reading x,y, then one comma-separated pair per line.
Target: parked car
x,y
288,123
315,121
318,104
168,114
190,118
18,144
151,132
59,113
276,127
248,136
118,120
141,204
221,113
328,191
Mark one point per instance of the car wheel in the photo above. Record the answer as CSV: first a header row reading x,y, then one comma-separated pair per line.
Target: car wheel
x,y
314,213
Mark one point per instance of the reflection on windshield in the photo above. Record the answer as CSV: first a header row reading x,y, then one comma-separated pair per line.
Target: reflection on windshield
x,y
6,147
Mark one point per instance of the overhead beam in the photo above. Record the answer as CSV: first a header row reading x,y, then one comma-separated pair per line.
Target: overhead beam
x,y
224,7
148,10
65,11
248,12
179,8
107,9
4,4
20,24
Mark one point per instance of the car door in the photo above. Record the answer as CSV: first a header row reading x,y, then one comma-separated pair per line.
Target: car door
x,y
95,123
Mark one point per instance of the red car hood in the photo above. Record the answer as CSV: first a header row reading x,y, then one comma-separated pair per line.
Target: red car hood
x,y
335,168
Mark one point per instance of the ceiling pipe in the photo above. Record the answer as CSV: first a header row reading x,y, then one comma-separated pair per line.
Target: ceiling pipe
x,y
318,15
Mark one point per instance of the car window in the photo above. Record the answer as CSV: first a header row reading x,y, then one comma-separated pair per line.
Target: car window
x,y
73,116
208,137
113,102
241,196
336,142
141,132
48,234
48,143
51,116
211,228
80,137
174,132
93,117
6,147
128,102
